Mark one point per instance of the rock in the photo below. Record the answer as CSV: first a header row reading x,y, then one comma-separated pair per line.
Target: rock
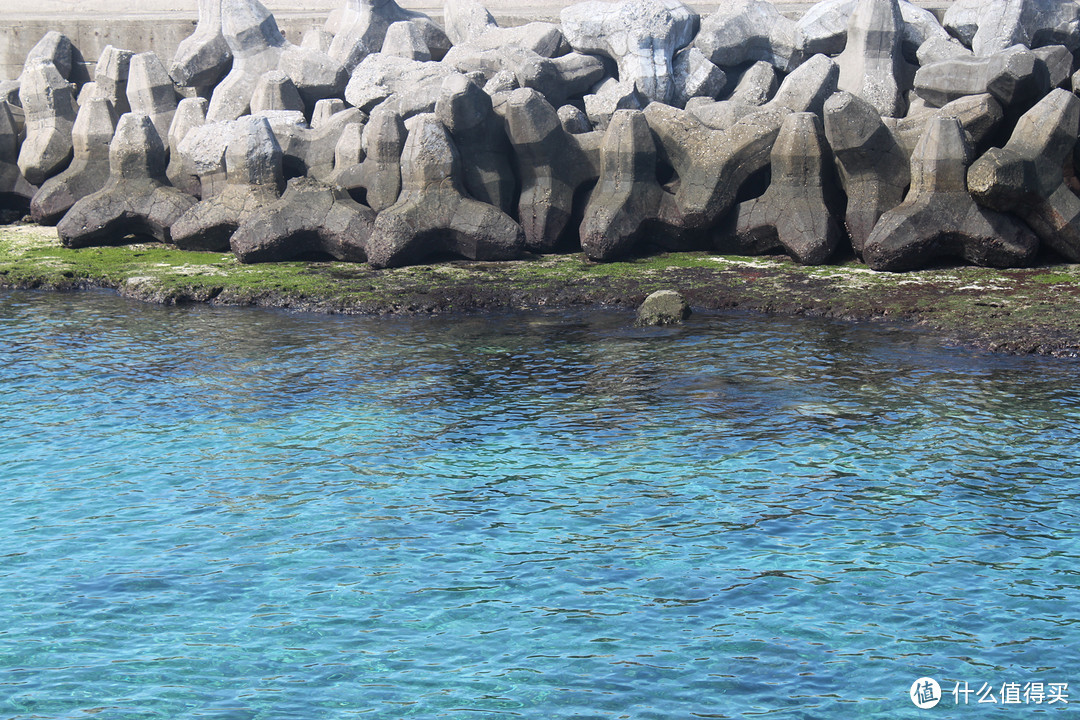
x,y
793,214
89,169
465,111
627,196
991,26
695,76
871,64
255,181
743,31
663,307
434,216
1025,177
874,169
641,36
46,99
309,219
406,40
275,91
204,57
711,164
939,218
552,165
150,91
136,199
360,27
190,114
15,191
1010,76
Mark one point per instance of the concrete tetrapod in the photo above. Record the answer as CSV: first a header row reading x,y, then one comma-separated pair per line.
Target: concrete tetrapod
x,y
150,91
641,36
872,63
1025,176
111,77
743,31
190,114
939,217
203,57
434,216
309,219
711,164
254,181
15,191
465,110
88,172
469,23
990,26
552,166
793,214
137,198
46,99
359,29
258,47
627,196
874,169
1011,76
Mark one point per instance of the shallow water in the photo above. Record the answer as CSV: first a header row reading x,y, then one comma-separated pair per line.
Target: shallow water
x,y
221,513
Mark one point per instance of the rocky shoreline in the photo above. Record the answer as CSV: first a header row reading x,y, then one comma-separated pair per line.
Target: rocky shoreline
x,y
1032,310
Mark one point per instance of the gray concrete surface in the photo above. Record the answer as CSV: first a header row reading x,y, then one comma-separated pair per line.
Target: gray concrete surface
x,y
160,25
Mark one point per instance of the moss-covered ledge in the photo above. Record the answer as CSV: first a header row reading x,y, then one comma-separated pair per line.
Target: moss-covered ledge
x,y
1035,310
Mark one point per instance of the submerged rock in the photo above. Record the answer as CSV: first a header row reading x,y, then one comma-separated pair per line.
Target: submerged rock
x,y
663,307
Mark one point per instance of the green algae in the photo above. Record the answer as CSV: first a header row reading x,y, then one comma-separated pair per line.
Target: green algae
x,y
1016,310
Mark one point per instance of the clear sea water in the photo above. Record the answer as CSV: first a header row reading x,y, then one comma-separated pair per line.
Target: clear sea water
x,y
238,513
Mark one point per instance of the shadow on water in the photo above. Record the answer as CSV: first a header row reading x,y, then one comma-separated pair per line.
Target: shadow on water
x,y
246,513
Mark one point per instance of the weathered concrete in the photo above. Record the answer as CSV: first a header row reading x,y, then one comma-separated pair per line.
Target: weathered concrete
x,y
359,28
874,169
1026,176
111,78
990,26
274,90
979,115
695,76
434,216
1010,76
940,219
255,181
15,191
871,65
641,36
711,164
794,214
137,198
487,173
383,140
190,114
49,111
150,91
552,166
310,219
627,196
747,31
91,136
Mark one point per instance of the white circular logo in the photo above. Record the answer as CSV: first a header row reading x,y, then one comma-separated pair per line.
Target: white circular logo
x,y
925,693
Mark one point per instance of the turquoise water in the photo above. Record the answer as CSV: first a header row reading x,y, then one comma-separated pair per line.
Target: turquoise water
x,y
221,513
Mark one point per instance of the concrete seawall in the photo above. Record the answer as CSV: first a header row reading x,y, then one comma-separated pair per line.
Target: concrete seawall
x,y
160,25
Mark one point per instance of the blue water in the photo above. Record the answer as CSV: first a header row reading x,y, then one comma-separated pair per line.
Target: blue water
x,y
223,513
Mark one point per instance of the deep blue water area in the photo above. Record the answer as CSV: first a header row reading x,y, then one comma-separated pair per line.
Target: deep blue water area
x,y
239,513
